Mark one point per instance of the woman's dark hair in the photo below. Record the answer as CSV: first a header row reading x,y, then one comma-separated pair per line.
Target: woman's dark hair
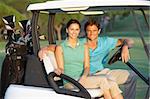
x,y
72,21
90,23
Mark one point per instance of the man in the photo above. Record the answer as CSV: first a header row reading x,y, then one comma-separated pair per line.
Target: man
x,y
99,48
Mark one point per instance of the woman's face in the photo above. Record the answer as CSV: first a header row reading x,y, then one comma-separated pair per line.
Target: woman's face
x,y
73,30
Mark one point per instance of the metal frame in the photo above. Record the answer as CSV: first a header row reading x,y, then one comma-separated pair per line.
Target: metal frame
x,y
146,20
51,38
141,34
35,36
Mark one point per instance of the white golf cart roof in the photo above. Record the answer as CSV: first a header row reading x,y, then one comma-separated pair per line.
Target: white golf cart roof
x,y
76,5
79,6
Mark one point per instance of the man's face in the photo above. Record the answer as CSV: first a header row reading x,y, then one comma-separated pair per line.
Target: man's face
x,y
92,32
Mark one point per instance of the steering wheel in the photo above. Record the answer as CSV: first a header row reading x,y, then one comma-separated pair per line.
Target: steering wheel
x,y
81,93
115,57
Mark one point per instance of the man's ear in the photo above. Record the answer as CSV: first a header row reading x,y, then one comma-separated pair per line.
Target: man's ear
x,y
99,31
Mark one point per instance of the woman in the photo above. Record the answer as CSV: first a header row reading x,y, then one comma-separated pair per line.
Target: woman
x,y
73,60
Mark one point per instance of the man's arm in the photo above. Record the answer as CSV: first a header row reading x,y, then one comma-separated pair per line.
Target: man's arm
x,y
126,44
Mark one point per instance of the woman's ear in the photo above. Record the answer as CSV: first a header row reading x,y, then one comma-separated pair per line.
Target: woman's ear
x,y
66,30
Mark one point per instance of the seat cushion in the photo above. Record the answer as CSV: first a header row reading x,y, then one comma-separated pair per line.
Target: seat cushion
x,y
31,92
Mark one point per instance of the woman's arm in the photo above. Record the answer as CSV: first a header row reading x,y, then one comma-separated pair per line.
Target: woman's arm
x,y
86,64
86,61
60,60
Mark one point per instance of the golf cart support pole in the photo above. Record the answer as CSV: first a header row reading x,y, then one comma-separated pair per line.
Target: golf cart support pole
x,y
51,39
138,73
141,34
35,35
146,20
148,92
142,77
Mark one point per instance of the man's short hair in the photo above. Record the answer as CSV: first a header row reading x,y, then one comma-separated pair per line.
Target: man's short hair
x,y
90,23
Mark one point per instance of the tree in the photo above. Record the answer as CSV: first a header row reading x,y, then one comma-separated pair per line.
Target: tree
x,y
61,20
116,15
20,5
9,11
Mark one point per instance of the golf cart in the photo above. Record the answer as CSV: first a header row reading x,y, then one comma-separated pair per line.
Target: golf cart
x,y
39,78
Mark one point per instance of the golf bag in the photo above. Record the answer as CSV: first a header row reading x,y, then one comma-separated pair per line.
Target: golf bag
x,y
13,66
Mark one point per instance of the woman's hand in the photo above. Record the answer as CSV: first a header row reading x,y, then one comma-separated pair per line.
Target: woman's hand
x,y
58,71
82,79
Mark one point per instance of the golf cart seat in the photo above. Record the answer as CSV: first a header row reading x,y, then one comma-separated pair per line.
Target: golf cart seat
x,y
50,64
32,92
39,83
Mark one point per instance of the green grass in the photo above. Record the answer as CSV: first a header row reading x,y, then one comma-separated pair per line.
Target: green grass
x,y
128,22
138,59
2,53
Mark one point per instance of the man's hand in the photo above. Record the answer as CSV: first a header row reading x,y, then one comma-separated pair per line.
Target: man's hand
x,y
45,50
42,53
125,54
